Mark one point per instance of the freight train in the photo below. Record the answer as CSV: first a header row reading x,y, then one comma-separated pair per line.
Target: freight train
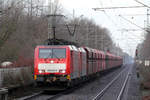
x,y
70,65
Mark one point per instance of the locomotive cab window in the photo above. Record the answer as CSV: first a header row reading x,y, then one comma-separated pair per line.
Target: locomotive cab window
x,y
45,53
59,53
52,53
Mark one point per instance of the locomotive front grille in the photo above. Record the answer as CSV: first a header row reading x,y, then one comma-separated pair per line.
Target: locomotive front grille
x,y
51,68
52,71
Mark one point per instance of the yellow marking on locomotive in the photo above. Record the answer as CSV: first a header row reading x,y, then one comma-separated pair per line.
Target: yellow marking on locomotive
x,y
68,77
35,77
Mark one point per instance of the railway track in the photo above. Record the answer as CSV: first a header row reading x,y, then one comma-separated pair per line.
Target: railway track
x,y
50,95
42,95
115,89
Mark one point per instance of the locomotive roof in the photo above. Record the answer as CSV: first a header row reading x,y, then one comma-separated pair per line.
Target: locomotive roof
x,y
94,50
54,45
73,47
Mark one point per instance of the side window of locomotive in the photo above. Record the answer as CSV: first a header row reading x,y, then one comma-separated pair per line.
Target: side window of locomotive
x,y
45,53
59,53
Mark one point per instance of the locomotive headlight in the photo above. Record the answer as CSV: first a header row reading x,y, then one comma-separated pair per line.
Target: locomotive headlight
x,y
52,61
41,71
62,70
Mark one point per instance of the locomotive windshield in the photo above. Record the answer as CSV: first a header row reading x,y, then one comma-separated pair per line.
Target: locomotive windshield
x,y
52,53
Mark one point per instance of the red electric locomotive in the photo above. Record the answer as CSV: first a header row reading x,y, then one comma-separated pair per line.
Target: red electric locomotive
x,y
69,64
59,63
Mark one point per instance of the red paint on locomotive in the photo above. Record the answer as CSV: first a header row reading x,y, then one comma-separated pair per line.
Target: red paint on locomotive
x,y
68,63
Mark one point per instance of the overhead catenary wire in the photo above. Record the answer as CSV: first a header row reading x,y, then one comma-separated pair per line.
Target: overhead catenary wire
x,y
114,8
117,7
133,23
103,9
113,22
110,18
134,14
123,29
142,3
132,34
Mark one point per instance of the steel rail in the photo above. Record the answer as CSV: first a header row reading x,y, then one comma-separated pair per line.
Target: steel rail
x,y
123,87
31,96
50,97
64,92
106,87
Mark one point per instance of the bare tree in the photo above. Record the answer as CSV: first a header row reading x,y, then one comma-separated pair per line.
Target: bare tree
x,y
24,25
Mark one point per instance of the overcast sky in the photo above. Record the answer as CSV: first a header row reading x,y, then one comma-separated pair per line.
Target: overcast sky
x,y
110,19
